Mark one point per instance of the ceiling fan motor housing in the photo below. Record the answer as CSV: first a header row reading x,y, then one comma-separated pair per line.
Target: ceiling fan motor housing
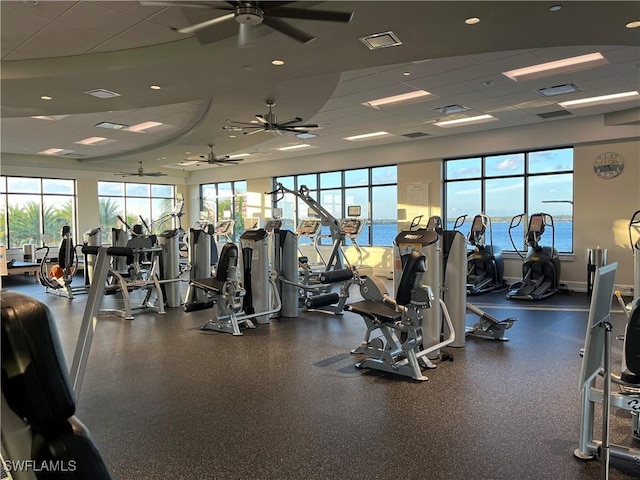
x,y
248,15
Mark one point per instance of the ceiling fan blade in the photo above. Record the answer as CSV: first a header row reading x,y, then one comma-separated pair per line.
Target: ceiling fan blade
x,y
175,4
309,125
262,120
205,24
306,14
288,122
288,30
255,131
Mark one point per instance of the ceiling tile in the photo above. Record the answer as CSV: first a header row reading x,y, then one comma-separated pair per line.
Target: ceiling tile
x,y
135,9
89,15
442,65
47,9
25,23
80,37
150,33
12,39
38,46
114,44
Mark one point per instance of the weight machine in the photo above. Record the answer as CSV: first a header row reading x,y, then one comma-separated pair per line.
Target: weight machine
x,y
634,243
56,275
317,288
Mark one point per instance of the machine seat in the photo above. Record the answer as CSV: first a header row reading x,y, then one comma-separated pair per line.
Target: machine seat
x,y
382,312
632,349
210,285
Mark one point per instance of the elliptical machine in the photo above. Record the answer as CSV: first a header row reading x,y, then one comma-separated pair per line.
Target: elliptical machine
x,y
541,267
485,265
634,225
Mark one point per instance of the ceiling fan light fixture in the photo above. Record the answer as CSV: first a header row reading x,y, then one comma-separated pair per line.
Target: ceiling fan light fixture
x,y
248,15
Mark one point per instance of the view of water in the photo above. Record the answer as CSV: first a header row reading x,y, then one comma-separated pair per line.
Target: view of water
x,y
385,233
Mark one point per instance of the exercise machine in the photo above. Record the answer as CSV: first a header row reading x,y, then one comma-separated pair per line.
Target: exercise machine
x,y
318,289
203,255
485,265
227,295
596,361
402,348
634,243
454,292
56,274
541,266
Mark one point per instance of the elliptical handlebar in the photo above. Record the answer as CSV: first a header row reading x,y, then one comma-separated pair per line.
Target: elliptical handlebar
x,y
415,222
459,221
512,227
122,220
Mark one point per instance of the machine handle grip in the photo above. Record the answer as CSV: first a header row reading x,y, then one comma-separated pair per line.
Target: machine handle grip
x,y
113,251
124,223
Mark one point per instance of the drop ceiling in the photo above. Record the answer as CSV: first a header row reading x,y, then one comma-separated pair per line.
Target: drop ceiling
x,y
63,49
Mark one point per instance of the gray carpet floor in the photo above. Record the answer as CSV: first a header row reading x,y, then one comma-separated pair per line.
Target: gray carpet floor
x,y
164,399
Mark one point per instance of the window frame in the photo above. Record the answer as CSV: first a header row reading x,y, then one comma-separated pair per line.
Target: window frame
x,y
238,208
42,234
526,175
316,194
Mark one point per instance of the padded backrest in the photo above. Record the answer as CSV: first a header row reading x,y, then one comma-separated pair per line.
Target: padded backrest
x,y
228,258
36,387
632,342
414,266
34,375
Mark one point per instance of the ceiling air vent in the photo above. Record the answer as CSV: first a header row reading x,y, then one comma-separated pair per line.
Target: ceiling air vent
x,y
415,134
558,90
450,109
554,114
102,93
381,40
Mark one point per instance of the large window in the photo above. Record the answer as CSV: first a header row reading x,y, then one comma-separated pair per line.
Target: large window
x,y
505,185
135,202
34,210
373,189
228,200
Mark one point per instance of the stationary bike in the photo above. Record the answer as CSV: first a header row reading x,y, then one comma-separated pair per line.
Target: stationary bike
x,y
485,265
541,267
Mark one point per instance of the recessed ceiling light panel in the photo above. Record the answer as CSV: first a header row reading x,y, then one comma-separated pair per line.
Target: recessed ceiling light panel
x,y
381,40
565,65
143,127
411,97
294,147
600,100
52,118
466,120
366,136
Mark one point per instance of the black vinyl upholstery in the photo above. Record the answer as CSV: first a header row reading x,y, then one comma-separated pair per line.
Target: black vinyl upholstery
x,y
228,258
36,386
415,264
632,349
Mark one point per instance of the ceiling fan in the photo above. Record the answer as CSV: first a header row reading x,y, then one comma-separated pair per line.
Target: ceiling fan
x,y
211,158
269,123
141,173
251,13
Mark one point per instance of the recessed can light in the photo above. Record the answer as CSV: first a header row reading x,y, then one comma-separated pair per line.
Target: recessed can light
x,y
155,87
277,62
406,74
634,24
472,20
555,8
46,97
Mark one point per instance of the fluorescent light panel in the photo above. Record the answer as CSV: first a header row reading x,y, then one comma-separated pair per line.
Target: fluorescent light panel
x,y
603,99
405,97
466,120
565,65
56,151
294,147
141,127
366,136
90,141
53,118
239,155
